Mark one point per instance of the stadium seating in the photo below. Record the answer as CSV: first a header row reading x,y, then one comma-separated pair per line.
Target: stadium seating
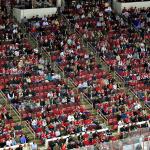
x,y
79,66
118,43
44,97
41,96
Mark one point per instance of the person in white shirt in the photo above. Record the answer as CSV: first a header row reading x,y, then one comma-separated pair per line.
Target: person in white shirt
x,y
79,6
9,142
57,133
11,96
56,77
50,94
64,100
115,86
70,118
34,123
16,53
83,16
72,99
44,18
98,24
44,123
45,23
15,31
137,106
120,122
83,128
108,9
129,56
37,24
34,146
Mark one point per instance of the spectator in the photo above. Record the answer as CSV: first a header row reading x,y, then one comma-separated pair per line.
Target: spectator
x,y
23,139
34,146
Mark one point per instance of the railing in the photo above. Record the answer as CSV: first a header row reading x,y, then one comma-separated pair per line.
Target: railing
x,y
12,108
15,111
72,135
30,36
28,126
13,147
130,141
137,123
139,140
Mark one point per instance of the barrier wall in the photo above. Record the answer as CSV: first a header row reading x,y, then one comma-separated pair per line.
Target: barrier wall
x,y
19,14
118,6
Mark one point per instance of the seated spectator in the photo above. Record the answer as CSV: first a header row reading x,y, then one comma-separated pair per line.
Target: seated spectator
x,y
23,139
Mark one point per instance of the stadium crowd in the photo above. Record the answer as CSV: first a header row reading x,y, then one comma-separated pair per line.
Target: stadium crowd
x,y
38,93
118,42
43,96
78,65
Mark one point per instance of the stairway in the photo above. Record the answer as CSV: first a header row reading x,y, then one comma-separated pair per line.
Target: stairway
x,y
16,117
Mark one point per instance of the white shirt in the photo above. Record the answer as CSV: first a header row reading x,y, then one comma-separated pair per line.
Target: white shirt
x,y
64,100
108,9
9,97
50,95
79,6
37,24
86,56
57,133
114,86
16,53
34,122
85,84
15,31
120,123
33,146
44,123
56,76
62,54
137,106
72,99
9,142
70,118
45,23
83,129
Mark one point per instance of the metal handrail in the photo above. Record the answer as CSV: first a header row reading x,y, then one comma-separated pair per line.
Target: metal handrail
x,y
30,129
12,108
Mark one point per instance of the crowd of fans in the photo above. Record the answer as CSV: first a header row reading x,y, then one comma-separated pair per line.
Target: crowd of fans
x,y
140,18
45,99
40,95
100,87
118,42
11,133
82,140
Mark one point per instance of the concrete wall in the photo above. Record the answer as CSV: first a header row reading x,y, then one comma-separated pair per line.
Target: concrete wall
x,y
19,14
118,6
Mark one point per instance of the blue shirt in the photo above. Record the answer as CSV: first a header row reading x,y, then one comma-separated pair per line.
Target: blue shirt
x,y
23,140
